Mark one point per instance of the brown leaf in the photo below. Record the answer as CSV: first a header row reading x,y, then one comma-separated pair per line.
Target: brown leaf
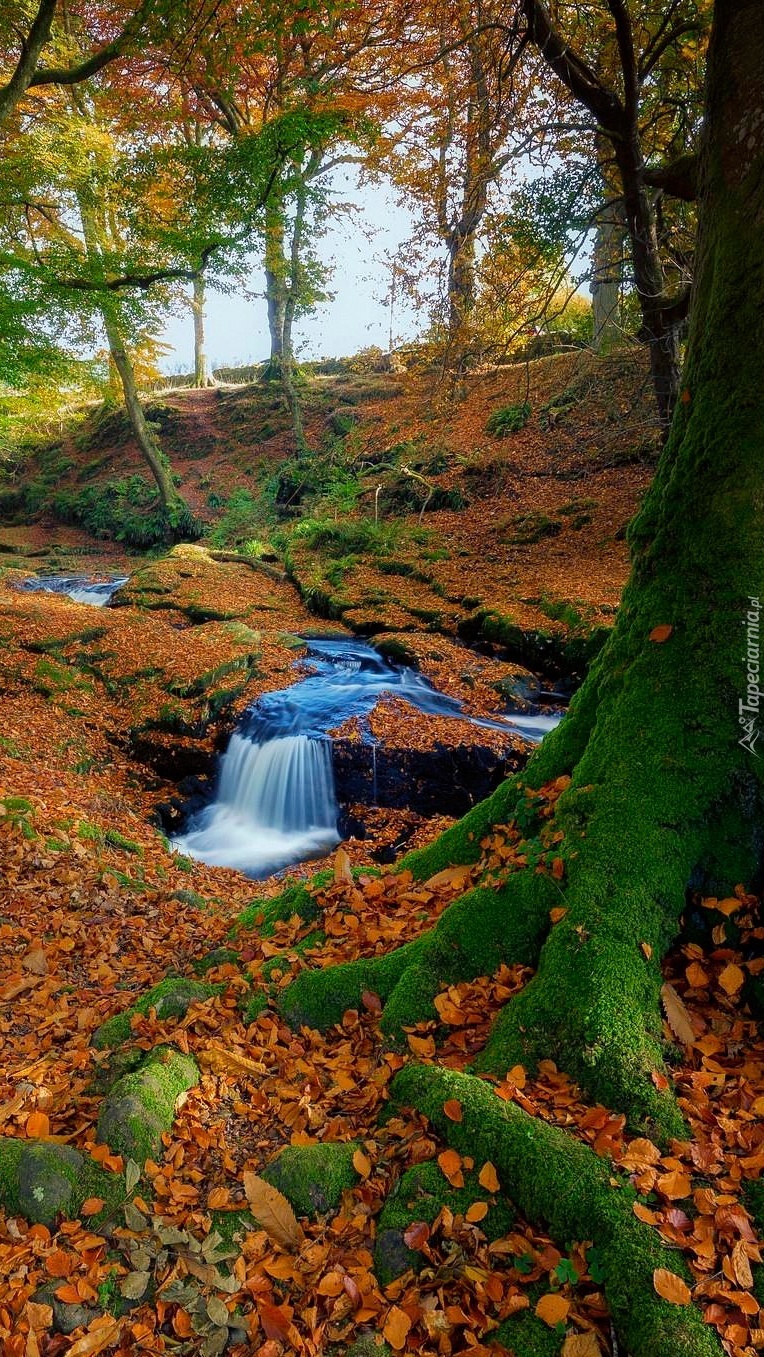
x,y
35,961
731,979
647,950
553,1309
272,1210
417,1234
661,633
37,1125
371,1001
488,1177
361,1164
557,913
342,870
453,1109
741,1265
101,1333
671,1287
92,1206
450,876
396,1328
275,1321
580,1345
677,1015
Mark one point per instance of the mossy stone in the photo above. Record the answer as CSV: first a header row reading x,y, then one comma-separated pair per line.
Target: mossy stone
x,y
313,1177
171,998
419,1196
141,1105
66,1318
48,1181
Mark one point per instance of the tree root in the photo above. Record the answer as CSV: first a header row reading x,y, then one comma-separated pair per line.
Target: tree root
x,y
478,932
562,1183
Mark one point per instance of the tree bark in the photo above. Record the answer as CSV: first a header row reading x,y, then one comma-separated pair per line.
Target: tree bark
x,y
202,372
141,432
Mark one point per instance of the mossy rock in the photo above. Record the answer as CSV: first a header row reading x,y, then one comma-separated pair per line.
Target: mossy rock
x,y
171,998
368,1345
419,1196
314,1177
141,1105
527,1336
41,1181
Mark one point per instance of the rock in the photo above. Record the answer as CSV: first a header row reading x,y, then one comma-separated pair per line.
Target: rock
x,y
141,1106
313,1177
48,1183
66,1318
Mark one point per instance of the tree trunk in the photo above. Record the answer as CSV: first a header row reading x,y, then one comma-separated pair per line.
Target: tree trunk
x,y
275,283
662,790
607,278
202,373
140,428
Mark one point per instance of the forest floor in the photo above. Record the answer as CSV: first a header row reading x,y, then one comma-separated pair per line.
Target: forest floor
x,y
102,711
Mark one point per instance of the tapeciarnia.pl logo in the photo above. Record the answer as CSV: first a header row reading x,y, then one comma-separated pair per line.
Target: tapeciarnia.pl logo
x,y
749,707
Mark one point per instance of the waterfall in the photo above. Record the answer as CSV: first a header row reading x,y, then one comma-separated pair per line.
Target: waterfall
x,y
275,805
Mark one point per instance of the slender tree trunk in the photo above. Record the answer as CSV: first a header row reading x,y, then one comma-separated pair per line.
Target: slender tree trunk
x,y
141,432
607,278
202,373
275,282
461,280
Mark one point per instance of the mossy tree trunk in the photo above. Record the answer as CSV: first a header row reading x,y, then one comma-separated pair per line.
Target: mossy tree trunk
x,y
138,423
202,371
663,795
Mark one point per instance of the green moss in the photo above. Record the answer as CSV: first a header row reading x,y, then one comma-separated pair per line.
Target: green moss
x,y
171,998
141,1105
41,1180
526,1336
561,1183
264,915
314,1177
419,1196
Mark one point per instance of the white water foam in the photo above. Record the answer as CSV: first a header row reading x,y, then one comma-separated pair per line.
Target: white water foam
x,y
275,805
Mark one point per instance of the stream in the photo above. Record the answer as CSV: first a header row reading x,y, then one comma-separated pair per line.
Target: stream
x,y
275,802
80,588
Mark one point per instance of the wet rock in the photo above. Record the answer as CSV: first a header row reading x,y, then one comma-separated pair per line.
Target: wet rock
x,y
445,780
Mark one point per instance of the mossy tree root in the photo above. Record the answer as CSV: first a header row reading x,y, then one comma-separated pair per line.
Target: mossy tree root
x,y
561,1183
479,931
171,998
141,1106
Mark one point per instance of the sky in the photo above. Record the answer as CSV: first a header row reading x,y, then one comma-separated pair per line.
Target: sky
x,y
359,247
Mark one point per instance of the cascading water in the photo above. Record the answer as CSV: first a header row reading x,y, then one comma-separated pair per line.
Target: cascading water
x,y
80,588
275,802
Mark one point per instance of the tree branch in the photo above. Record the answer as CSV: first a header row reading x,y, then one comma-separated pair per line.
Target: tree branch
x,y
574,73
625,39
74,75
31,47
679,179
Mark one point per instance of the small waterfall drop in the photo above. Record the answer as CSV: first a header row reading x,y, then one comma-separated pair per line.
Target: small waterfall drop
x,y
275,805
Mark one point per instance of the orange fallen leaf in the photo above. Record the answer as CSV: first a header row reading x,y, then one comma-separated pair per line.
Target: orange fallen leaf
x,y
661,633
37,1125
557,913
396,1328
671,1287
417,1234
424,1046
477,1211
580,1345
453,1109
553,1309
731,978
92,1206
272,1211
488,1177
361,1164
647,950
100,1335
677,1015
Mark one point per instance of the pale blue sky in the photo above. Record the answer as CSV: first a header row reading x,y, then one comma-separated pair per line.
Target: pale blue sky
x,y
357,246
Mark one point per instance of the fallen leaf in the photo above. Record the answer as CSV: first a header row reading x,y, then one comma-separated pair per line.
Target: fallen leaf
x,y
37,1125
275,1321
453,1109
361,1164
488,1177
731,979
741,1265
396,1328
580,1345
35,961
647,949
101,1333
273,1212
417,1234
671,1287
477,1211
92,1206
342,869
557,913
677,1016
661,633
552,1308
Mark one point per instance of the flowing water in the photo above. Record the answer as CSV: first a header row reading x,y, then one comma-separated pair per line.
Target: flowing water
x,y
275,802
81,588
